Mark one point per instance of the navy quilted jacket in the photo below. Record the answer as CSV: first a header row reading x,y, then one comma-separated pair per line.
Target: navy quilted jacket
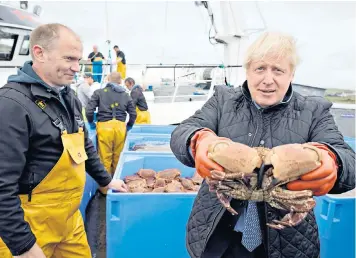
x,y
231,113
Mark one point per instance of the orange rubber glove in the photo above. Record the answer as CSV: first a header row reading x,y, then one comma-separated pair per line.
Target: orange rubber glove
x,y
199,145
322,179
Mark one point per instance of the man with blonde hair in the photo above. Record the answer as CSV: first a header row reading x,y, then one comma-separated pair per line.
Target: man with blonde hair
x,y
113,103
264,112
45,151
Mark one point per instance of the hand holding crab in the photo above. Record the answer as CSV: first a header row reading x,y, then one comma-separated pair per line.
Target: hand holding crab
x,y
258,174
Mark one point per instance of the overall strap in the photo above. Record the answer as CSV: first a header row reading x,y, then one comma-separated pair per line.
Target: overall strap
x,y
25,90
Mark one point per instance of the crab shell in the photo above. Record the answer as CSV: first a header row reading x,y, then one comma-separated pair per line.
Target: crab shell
x,y
187,183
290,161
197,179
160,182
168,174
174,186
146,173
130,178
137,186
150,182
159,190
234,157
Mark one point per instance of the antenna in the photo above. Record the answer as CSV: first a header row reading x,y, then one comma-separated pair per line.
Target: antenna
x,y
109,55
108,41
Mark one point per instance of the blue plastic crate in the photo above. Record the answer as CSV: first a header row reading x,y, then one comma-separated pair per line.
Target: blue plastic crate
x,y
149,224
152,129
350,141
159,141
89,192
336,222
90,185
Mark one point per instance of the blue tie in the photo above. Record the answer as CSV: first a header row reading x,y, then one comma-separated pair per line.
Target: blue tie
x,y
251,235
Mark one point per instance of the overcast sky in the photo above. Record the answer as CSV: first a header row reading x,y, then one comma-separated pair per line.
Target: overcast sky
x,y
325,31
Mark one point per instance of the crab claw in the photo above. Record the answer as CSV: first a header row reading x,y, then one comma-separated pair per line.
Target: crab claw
x,y
290,161
289,220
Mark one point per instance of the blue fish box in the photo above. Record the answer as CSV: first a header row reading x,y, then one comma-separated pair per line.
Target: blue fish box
x,y
90,185
148,224
152,129
147,144
335,216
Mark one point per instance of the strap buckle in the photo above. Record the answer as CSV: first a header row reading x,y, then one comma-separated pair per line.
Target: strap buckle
x,y
58,123
79,120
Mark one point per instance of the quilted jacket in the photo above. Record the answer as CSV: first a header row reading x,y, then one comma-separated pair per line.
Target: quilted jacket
x,y
297,119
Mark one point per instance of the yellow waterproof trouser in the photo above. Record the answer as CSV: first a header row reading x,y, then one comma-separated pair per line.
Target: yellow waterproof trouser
x,y
53,212
143,117
121,68
111,139
84,116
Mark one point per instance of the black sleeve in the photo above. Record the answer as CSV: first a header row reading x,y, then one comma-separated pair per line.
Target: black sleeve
x,y
324,130
93,165
206,117
91,56
134,96
131,110
121,54
15,128
92,105
101,55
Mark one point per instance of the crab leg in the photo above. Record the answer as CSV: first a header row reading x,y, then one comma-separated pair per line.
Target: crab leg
x,y
289,220
225,200
283,194
218,175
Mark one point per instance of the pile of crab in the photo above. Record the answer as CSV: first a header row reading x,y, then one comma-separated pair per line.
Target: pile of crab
x,y
260,174
168,181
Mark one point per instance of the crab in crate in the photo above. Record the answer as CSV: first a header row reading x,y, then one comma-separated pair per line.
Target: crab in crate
x,y
168,174
165,181
257,174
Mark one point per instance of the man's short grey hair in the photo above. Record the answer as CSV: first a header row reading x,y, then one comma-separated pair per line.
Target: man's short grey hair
x,y
45,35
115,77
130,80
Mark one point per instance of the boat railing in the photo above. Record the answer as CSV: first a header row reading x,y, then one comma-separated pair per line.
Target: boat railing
x,y
214,75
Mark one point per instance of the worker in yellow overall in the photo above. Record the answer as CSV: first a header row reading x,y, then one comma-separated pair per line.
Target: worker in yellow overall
x,y
139,101
45,151
113,105
121,62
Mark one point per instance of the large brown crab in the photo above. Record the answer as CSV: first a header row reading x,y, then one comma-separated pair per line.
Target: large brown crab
x,y
257,174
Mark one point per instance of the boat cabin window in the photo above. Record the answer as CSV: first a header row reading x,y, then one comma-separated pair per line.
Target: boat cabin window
x,y
7,45
25,50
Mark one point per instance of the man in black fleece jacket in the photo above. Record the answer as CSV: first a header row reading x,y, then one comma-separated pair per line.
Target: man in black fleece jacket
x,y
45,151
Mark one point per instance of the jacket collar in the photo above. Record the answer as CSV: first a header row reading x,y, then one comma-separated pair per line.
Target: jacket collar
x,y
286,100
42,92
136,87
